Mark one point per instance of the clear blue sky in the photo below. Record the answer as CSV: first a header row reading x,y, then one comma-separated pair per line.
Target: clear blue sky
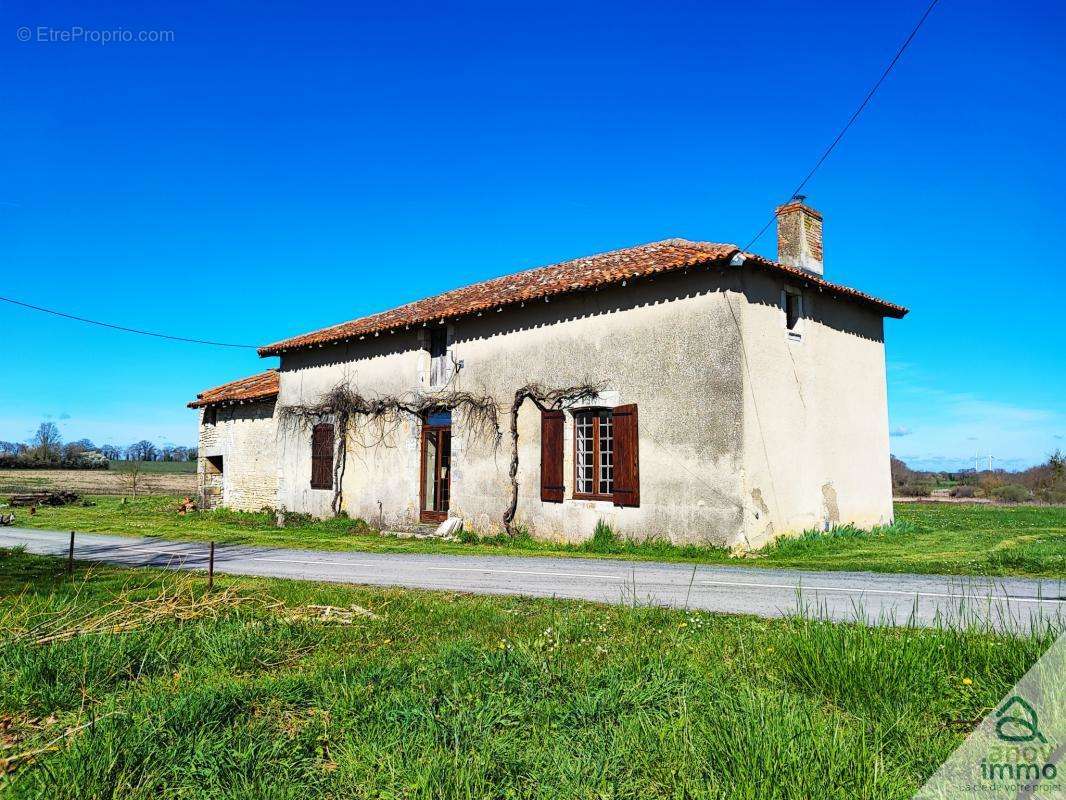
x,y
277,168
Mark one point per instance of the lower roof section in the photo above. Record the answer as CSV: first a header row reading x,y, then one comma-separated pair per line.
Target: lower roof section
x,y
263,386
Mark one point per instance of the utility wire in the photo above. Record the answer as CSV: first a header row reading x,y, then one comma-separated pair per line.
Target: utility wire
x,y
855,116
123,328
797,190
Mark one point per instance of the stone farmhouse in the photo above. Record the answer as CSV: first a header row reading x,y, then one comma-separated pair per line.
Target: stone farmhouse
x,y
683,390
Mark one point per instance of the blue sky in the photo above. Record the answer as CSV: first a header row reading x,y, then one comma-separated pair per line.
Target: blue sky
x,y
276,168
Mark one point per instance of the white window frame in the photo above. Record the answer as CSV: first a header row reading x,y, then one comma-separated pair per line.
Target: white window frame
x,y
602,401
794,334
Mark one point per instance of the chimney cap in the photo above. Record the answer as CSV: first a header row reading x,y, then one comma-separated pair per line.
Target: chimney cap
x,y
798,198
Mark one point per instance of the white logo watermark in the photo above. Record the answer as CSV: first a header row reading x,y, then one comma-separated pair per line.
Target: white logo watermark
x,y
1018,749
76,34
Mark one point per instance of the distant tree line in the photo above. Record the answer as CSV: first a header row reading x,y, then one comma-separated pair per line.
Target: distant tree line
x,y
47,450
1044,483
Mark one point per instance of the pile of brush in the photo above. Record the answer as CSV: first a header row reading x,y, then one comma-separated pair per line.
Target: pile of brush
x,y
58,497
184,600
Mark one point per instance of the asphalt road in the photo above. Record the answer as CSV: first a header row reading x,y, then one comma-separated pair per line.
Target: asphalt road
x,y
1005,603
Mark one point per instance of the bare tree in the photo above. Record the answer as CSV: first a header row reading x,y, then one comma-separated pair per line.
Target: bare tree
x,y
133,477
47,441
110,452
143,450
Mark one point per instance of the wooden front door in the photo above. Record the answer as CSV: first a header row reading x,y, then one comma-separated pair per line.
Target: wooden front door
x,y
436,467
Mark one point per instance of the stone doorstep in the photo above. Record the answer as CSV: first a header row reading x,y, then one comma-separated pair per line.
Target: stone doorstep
x,y
414,535
422,530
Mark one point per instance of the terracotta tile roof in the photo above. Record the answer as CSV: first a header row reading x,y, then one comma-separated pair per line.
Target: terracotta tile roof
x,y
257,387
581,274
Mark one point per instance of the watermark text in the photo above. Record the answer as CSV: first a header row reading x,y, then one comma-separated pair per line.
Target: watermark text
x,y
76,34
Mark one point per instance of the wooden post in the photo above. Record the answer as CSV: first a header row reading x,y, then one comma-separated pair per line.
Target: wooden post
x,y
211,568
70,556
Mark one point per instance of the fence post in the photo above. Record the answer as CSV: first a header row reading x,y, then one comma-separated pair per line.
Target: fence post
x,y
70,556
211,568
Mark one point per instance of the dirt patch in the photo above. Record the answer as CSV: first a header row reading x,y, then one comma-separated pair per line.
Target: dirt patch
x,y
19,481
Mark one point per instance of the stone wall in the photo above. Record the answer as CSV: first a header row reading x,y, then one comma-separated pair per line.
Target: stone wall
x,y
244,436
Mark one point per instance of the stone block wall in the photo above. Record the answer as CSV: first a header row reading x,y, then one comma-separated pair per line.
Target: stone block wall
x,y
244,437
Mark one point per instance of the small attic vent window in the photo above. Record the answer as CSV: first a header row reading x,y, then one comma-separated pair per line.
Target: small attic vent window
x,y
792,304
438,342
439,364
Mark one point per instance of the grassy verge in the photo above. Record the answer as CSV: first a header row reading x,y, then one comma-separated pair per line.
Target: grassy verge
x,y
255,691
953,539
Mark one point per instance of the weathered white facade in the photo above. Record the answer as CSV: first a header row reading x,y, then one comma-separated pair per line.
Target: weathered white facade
x,y
759,388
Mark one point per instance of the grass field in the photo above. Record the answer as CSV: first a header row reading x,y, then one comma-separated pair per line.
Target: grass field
x,y
954,539
136,684
161,477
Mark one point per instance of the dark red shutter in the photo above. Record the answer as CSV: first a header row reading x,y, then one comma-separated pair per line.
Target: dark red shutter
x,y
322,456
626,457
551,456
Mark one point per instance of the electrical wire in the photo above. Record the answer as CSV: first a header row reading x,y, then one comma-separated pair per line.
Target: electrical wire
x,y
855,116
123,327
796,191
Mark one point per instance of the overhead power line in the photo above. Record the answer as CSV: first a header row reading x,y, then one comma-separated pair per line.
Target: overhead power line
x,y
797,190
855,116
124,328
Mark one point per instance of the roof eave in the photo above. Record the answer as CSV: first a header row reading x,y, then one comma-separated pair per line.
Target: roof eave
x,y
232,402
282,347
846,293
293,344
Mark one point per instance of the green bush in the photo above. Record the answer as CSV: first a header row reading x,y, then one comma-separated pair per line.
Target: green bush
x,y
915,490
1011,493
1056,495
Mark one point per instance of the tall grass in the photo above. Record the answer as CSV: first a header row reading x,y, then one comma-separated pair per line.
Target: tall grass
x,y
449,696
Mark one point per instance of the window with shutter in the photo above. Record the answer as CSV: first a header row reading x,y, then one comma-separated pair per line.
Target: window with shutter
x,y
594,456
626,488
322,456
551,456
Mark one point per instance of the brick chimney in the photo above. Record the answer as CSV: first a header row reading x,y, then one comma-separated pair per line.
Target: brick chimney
x,y
799,235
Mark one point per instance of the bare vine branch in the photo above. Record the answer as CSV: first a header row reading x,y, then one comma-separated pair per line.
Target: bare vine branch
x,y
545,400
353,413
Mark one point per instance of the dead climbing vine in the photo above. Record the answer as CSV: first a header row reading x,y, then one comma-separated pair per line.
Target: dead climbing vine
x,y
546,400
372,420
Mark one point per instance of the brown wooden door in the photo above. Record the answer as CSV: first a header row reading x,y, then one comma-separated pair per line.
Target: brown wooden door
x,y
435,472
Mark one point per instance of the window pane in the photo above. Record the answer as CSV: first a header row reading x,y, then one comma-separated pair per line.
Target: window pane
x,y
792,310
429,471
606,472
583,452
439,418
438,342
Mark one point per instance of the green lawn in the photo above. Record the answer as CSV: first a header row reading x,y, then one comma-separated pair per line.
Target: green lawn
x,y
955,539
254,691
